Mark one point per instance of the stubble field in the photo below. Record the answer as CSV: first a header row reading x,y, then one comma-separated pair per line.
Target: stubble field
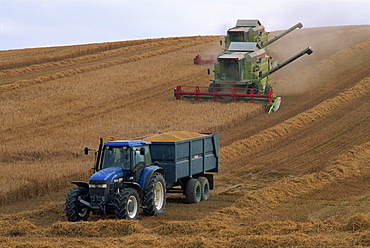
x,y
297,177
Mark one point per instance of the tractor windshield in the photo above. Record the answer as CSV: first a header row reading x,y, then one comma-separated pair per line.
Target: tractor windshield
x,y
229,70
116,157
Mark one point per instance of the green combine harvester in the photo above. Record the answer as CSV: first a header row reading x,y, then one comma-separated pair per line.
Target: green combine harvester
x,y
253,31
241,73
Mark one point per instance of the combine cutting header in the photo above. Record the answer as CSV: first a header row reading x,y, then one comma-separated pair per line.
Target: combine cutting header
x,y
241,73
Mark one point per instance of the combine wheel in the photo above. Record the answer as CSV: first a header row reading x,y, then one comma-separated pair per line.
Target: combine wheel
x,y
204,188
155,195
75,210
193,191
127,203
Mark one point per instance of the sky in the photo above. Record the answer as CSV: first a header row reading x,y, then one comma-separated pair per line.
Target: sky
x,y
45,23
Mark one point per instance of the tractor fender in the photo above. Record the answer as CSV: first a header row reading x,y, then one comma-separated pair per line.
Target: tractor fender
x,y
137,187
147,173
81,184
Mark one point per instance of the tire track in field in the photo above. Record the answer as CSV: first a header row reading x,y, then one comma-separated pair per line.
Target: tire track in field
x,y
16,61
84,114
341,77
300,131
317,156
93,112
59,65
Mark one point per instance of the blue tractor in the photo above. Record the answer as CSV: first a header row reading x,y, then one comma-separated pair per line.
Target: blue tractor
x,y
128,178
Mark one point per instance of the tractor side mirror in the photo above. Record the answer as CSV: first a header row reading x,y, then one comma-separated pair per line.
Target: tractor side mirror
x,y
86,150
142,151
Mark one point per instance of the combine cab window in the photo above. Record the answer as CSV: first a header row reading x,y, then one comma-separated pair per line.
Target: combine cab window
x,y
229,70
236,37
116,157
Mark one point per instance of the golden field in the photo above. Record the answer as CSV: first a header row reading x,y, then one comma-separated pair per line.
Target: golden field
x,y
297,177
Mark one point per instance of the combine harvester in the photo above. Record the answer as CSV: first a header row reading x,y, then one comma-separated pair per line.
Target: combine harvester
x,y
241,73
253,31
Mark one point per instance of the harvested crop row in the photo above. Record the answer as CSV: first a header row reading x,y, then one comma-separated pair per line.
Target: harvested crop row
x,y
346,166
25,57
204,233
150,44
99,65
245,146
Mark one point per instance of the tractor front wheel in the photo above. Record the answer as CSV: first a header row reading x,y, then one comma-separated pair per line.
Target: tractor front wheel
x,y
127,204
75,210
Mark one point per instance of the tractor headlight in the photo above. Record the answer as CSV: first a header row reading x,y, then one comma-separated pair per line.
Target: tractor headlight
x,y
101,186
118,180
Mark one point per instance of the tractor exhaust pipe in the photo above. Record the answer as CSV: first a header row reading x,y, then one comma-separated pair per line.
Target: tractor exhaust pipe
x,y
308,51
298,25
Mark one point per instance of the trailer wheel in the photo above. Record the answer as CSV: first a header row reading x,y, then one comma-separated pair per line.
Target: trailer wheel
x,y
204,188
127,204
193,191
75,210
155,195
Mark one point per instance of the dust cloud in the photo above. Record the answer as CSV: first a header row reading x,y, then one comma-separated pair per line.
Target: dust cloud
x,y
331,45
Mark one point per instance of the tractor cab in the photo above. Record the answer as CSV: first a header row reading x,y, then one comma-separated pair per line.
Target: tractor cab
x,y
116,157
123,159
129,155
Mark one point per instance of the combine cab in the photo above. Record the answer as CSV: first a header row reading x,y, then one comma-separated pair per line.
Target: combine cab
x,y
241,73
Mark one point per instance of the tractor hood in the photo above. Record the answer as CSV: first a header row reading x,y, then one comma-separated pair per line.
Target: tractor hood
x,y
108,174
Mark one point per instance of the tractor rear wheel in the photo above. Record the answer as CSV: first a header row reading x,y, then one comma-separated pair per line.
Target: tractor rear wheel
x,y
155,195
204,188
127,204
193,191
75,210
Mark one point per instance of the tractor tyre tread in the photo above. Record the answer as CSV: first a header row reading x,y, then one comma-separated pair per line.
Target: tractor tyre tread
x,y
149,195
73,212
121,206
